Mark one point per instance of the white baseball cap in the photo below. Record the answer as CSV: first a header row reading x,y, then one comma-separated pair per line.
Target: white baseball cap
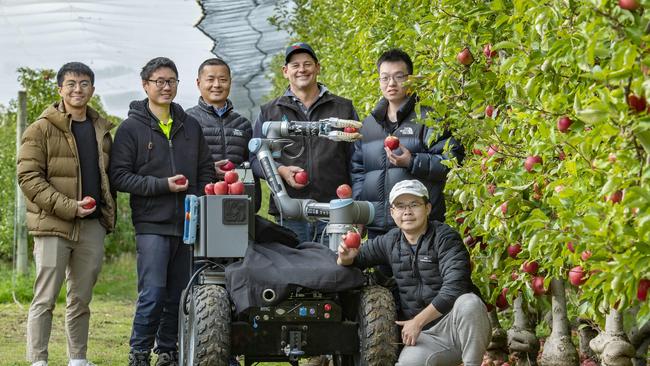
x,y
414,187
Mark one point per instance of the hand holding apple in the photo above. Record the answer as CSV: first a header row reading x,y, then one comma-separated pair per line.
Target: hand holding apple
x,y
301,177
288,174
403,160
86,206
391,142
352,239
346,255
174,183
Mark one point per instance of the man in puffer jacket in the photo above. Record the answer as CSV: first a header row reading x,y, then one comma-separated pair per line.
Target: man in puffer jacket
x,y
63,172
444,321
226,131
422,150
159,156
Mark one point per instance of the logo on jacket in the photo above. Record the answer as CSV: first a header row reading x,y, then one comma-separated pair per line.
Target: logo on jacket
x,y
237,132
406,130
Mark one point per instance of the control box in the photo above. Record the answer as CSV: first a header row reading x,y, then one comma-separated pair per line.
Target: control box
x,y
298,311
223,228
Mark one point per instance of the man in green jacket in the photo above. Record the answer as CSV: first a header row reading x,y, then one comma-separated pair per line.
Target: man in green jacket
x,y
63,173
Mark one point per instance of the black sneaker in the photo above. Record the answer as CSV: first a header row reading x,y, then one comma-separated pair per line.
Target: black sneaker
x,y
167,359
139,358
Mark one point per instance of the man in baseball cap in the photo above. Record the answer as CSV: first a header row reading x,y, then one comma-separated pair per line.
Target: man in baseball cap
x,y
440,312
299,47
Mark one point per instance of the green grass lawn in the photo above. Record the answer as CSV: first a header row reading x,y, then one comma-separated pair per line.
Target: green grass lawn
x,y
112,312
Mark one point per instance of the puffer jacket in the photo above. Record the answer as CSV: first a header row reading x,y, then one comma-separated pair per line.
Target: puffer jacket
x,y
327,162
437,271
372,174
50,177
228,135
143,159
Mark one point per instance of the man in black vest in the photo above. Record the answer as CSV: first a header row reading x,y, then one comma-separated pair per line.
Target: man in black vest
x,y
326,162
444,321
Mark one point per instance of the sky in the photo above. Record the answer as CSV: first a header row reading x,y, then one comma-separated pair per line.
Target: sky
x,y
114,37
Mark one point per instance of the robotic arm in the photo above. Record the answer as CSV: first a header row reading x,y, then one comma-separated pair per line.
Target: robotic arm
x,y
342,213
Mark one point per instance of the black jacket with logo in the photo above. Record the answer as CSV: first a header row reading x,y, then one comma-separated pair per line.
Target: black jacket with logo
x,y
436,271
372,174
143,158
327,162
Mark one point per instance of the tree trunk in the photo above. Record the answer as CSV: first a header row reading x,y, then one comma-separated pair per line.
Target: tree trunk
x,y
522,341
558,348
612,346
498,348
587,333
640,339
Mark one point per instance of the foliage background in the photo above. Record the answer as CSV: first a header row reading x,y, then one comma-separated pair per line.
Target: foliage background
x,y
571,58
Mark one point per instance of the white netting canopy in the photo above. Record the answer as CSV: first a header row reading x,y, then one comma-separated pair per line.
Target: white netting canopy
x,y
117,37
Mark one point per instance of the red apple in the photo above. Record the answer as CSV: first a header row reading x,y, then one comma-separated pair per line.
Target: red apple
x,y
492,188
537,285
91,203
585,255
514,276
352,239
349,129
563,124
570,246
391,142
470,241
502,301
209,189
514,250
344,191
465,57
561,155
637,103
530,162
476,151
227,166
487,51
577,276
236,188
489,111
612,158
530,267
616,197
220,188
492,150
231,177
181,181
459,219
642,290
301,177
504,208
628,4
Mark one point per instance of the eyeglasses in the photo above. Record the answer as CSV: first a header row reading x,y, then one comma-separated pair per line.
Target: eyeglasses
x,y
160,83
399,78
401,207
72,85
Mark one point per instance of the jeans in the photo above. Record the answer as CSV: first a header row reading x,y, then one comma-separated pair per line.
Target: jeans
x,y
163,272
306,231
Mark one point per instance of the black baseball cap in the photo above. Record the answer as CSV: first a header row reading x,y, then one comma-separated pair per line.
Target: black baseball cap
x,y
298,47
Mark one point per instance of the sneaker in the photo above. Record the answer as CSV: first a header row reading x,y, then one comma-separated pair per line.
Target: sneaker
x,y
167,359
40,363
139,358
80,363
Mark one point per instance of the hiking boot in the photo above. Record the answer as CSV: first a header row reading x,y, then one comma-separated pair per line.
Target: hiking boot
x,y
167,359
139,358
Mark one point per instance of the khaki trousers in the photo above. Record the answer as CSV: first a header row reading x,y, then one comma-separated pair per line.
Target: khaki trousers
x,y
79,264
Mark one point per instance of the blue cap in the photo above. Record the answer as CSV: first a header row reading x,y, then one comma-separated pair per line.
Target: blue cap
x,y
298,47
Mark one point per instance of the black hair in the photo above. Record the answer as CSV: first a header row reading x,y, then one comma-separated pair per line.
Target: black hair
x,y
76,68
396,55
215,61
155,64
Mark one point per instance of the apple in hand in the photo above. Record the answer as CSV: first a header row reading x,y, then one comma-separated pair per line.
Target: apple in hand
x,y
220,188
391,142
344,191
301,177
577,276
465,57
236,188
91,203
352,239
181,181
209,189
227,166
563,124
230,177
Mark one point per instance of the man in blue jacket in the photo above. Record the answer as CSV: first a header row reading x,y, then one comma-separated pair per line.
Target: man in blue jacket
x,y
421,153
159,155
444,321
